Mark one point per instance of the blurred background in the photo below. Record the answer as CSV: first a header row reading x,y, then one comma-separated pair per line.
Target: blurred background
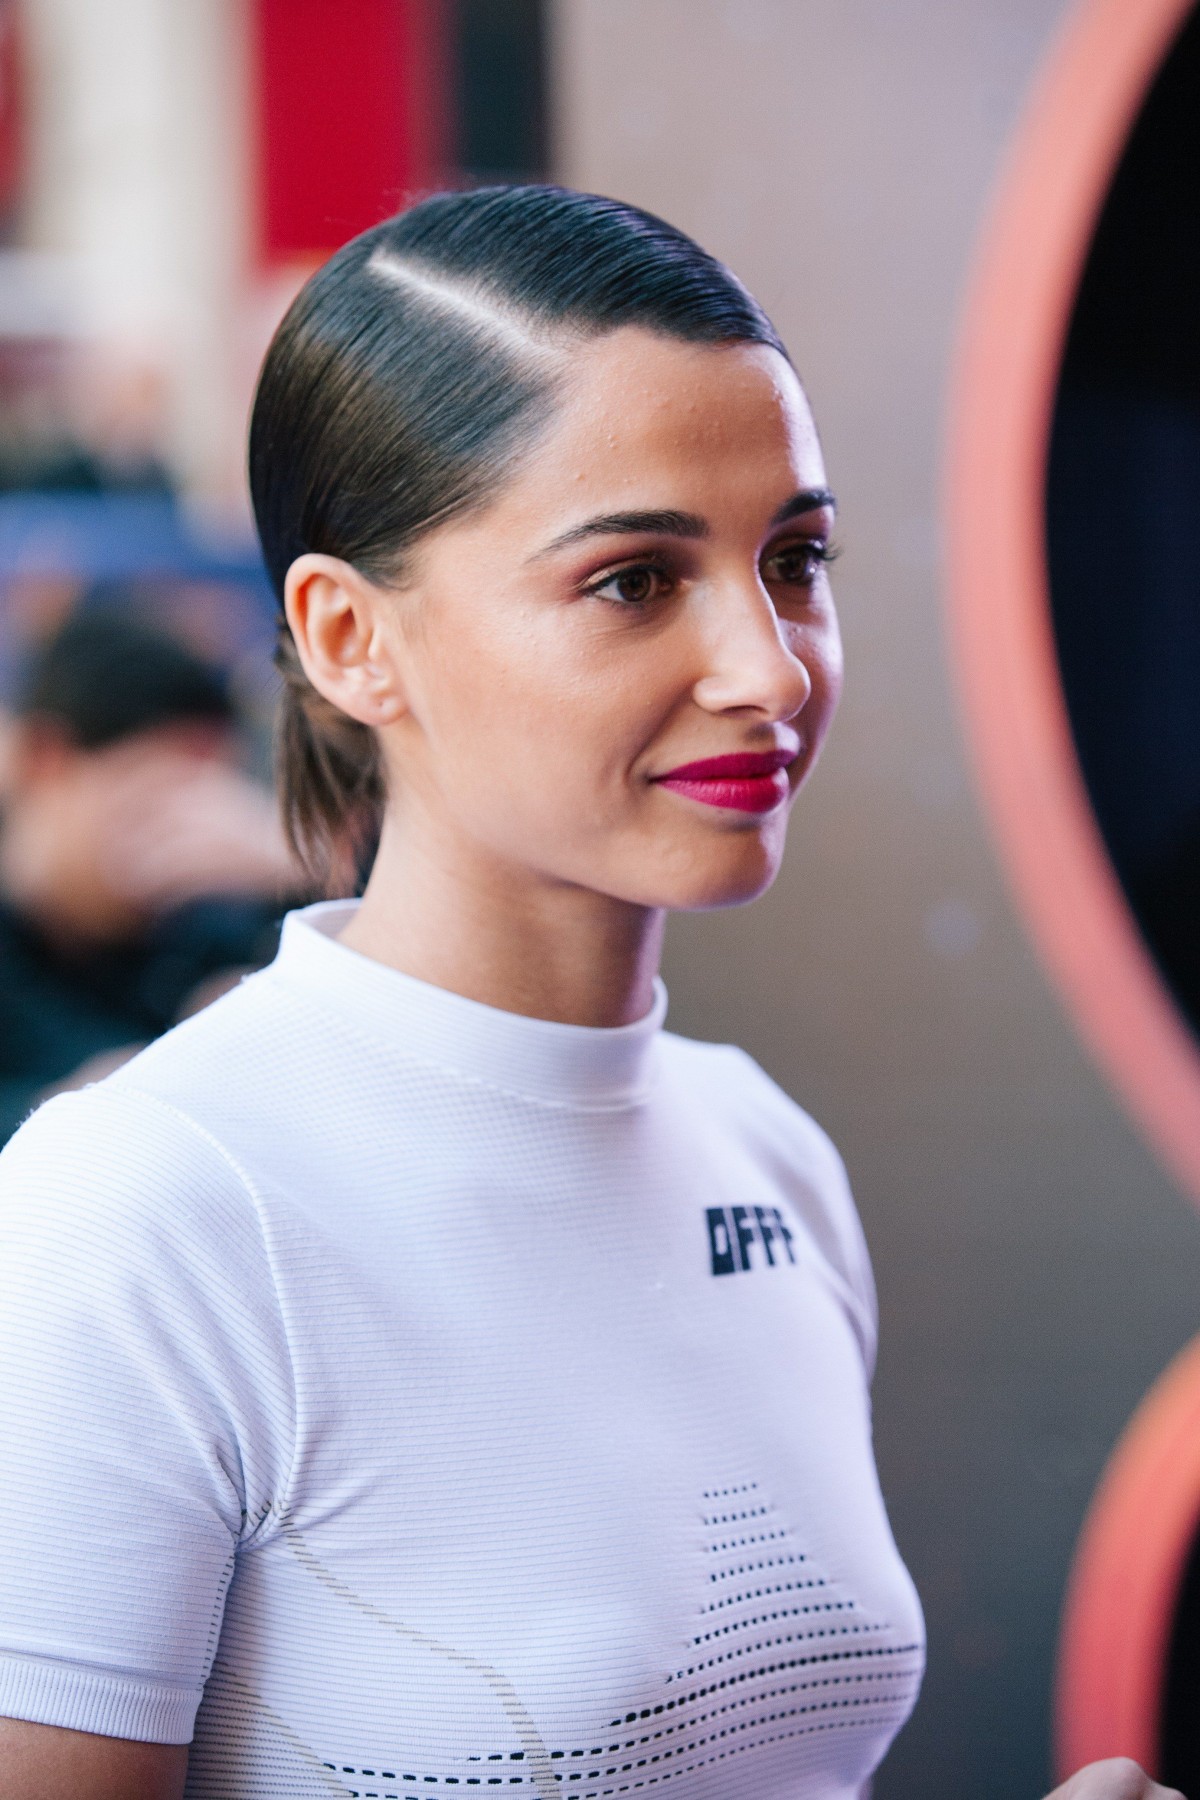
x,y
169,172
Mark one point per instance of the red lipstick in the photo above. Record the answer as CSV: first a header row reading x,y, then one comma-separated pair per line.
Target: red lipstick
x,y
748,781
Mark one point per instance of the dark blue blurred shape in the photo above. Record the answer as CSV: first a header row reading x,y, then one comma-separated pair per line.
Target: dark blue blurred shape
x,y
107,544
105,537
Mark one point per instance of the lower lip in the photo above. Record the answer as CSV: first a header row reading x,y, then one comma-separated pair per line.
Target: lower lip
x,y
737,793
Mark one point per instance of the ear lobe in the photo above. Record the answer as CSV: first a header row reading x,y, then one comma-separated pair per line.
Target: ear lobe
x,y
339,624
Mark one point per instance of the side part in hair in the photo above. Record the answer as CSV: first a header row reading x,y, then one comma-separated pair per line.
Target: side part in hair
x,y
403,382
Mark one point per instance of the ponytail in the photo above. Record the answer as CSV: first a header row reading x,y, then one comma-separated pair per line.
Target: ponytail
x,y
330,777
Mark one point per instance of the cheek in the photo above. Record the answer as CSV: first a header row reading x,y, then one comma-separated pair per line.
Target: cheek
x,y
820,650
480,686
834,672
529,721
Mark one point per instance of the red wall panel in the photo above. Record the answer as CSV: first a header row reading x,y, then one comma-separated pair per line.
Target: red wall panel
x,y
353,102
12,161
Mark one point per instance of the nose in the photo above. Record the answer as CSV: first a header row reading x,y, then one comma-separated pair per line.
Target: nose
x,y
750,666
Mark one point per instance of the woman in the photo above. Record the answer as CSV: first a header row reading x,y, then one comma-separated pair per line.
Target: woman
x,y
426,1372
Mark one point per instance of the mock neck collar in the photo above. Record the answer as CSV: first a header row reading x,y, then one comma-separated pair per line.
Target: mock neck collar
x,y
565,1065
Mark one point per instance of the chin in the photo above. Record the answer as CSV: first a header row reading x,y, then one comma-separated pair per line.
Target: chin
x,y
711,882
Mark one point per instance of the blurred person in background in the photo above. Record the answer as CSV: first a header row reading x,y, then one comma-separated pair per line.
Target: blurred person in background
x,y
141,870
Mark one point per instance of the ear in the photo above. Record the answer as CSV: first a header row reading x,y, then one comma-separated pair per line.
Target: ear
x,y
340,623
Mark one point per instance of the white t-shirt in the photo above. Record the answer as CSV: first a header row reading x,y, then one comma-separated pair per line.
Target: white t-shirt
x,y
405,1394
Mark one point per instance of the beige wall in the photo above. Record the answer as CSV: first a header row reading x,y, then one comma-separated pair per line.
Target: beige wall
x,y
1036,1268
139,183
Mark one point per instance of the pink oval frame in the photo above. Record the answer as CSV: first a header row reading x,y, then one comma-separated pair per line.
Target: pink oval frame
x,y
1027,272
1124,1582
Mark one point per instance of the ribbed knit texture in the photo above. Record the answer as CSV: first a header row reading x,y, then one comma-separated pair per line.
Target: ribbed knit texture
x,y
411,1395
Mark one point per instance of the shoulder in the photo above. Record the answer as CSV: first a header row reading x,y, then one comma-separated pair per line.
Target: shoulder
x,y
232,1047
250,1074
731,1079
138,1281
113,1182
742,1100
735,1090
147,1384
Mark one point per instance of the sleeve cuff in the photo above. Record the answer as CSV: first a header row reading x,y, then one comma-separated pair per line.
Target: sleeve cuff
x,y
43,1691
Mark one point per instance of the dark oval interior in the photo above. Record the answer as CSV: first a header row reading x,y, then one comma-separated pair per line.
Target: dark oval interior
x,y
1123,521
1180,1724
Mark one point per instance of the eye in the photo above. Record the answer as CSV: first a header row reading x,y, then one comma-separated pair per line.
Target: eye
x,y
798,564
635,585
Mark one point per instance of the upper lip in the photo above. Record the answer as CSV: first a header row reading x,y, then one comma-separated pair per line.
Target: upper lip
x,y
741,765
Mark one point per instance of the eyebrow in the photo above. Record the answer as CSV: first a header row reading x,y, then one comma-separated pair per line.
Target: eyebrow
x,y
666,523
669,523
806,501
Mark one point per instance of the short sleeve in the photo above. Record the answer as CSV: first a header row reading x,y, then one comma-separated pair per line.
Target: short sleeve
x,y
146,1410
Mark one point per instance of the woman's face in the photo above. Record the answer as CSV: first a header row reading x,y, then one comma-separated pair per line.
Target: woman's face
x,y
648,592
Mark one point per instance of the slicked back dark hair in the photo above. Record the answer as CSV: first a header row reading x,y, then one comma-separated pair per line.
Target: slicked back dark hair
x,y
406,377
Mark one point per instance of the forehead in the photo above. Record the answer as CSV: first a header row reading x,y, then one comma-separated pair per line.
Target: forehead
x,y
671,423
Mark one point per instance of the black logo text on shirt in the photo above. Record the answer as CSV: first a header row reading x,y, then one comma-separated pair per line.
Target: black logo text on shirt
x,y
748,1237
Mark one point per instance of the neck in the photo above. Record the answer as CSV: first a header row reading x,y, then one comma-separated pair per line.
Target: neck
x,y
478,926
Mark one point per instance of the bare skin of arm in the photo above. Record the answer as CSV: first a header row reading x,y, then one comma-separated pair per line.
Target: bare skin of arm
x,y
46,1762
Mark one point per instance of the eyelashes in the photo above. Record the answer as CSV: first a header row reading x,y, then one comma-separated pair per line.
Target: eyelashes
x,y
640,582
811,553
637,584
